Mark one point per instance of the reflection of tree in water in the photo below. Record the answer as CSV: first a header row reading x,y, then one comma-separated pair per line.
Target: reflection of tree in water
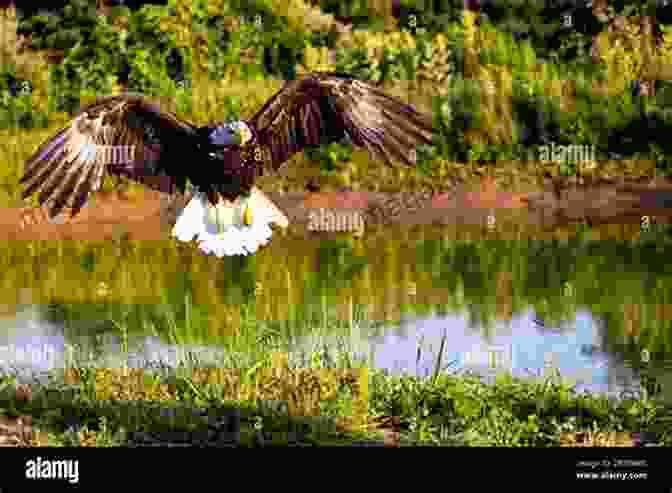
x,y
547,326
337,264
335,268
236,278
404,329
655,375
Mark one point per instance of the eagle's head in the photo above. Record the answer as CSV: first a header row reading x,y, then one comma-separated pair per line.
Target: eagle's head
x,y
235,133
229,170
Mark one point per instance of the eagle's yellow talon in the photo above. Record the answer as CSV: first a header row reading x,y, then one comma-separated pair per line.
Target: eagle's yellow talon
x,y
247,216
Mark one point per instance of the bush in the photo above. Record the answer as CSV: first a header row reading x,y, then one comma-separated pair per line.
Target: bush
x,y
16,109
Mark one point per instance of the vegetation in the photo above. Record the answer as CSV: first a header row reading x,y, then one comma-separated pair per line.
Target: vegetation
x,y
497,92
326,397
237,305
496,96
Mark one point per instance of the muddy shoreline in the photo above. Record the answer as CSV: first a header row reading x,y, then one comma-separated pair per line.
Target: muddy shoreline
x,y
556,205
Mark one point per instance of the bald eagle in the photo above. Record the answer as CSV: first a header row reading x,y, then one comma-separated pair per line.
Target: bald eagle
x,y
127,135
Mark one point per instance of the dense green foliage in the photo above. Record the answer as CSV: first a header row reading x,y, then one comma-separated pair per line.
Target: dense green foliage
x,y
157,51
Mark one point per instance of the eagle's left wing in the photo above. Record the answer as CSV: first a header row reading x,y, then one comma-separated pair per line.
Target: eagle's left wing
x,y
124,135
321,108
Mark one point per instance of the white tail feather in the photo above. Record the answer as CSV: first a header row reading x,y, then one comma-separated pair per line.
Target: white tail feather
x,y
221,229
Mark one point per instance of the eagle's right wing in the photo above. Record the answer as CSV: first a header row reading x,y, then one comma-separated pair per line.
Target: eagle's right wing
x,y
320,108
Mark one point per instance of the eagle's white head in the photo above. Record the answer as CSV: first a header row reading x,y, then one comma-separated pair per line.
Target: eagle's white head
x,y
238,133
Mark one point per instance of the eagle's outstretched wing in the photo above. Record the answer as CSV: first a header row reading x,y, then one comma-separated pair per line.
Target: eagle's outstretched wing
x,y
321,108
124,135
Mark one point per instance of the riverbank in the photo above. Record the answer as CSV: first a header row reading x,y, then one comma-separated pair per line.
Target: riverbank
x,y
556,205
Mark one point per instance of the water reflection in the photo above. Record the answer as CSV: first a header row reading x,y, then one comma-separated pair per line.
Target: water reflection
x,y
523,346
31,345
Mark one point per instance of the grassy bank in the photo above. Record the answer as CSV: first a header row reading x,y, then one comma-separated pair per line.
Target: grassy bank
x,y
258,395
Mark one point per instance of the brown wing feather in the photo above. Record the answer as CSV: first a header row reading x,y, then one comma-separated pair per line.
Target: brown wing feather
x,y
321,108
73,163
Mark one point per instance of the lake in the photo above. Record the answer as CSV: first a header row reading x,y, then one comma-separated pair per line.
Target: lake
x,y
596,311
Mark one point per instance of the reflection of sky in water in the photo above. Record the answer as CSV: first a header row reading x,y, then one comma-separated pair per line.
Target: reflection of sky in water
x,y
27,342
521,346
29,345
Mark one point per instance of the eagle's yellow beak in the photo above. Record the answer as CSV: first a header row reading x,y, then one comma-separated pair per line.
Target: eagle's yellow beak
x,y
247,216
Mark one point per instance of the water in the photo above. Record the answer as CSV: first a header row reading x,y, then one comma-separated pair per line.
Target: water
x,y
403,290
31,346
521,346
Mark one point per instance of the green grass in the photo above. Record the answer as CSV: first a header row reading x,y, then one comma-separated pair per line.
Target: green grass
x,y
321,396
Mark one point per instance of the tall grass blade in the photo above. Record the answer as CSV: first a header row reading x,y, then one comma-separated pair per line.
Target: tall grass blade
x,y
439,358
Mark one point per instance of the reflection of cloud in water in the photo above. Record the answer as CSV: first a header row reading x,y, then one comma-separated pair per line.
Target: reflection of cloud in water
x,y
151,352
521,345
148,352
33,345
30,346
524,348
